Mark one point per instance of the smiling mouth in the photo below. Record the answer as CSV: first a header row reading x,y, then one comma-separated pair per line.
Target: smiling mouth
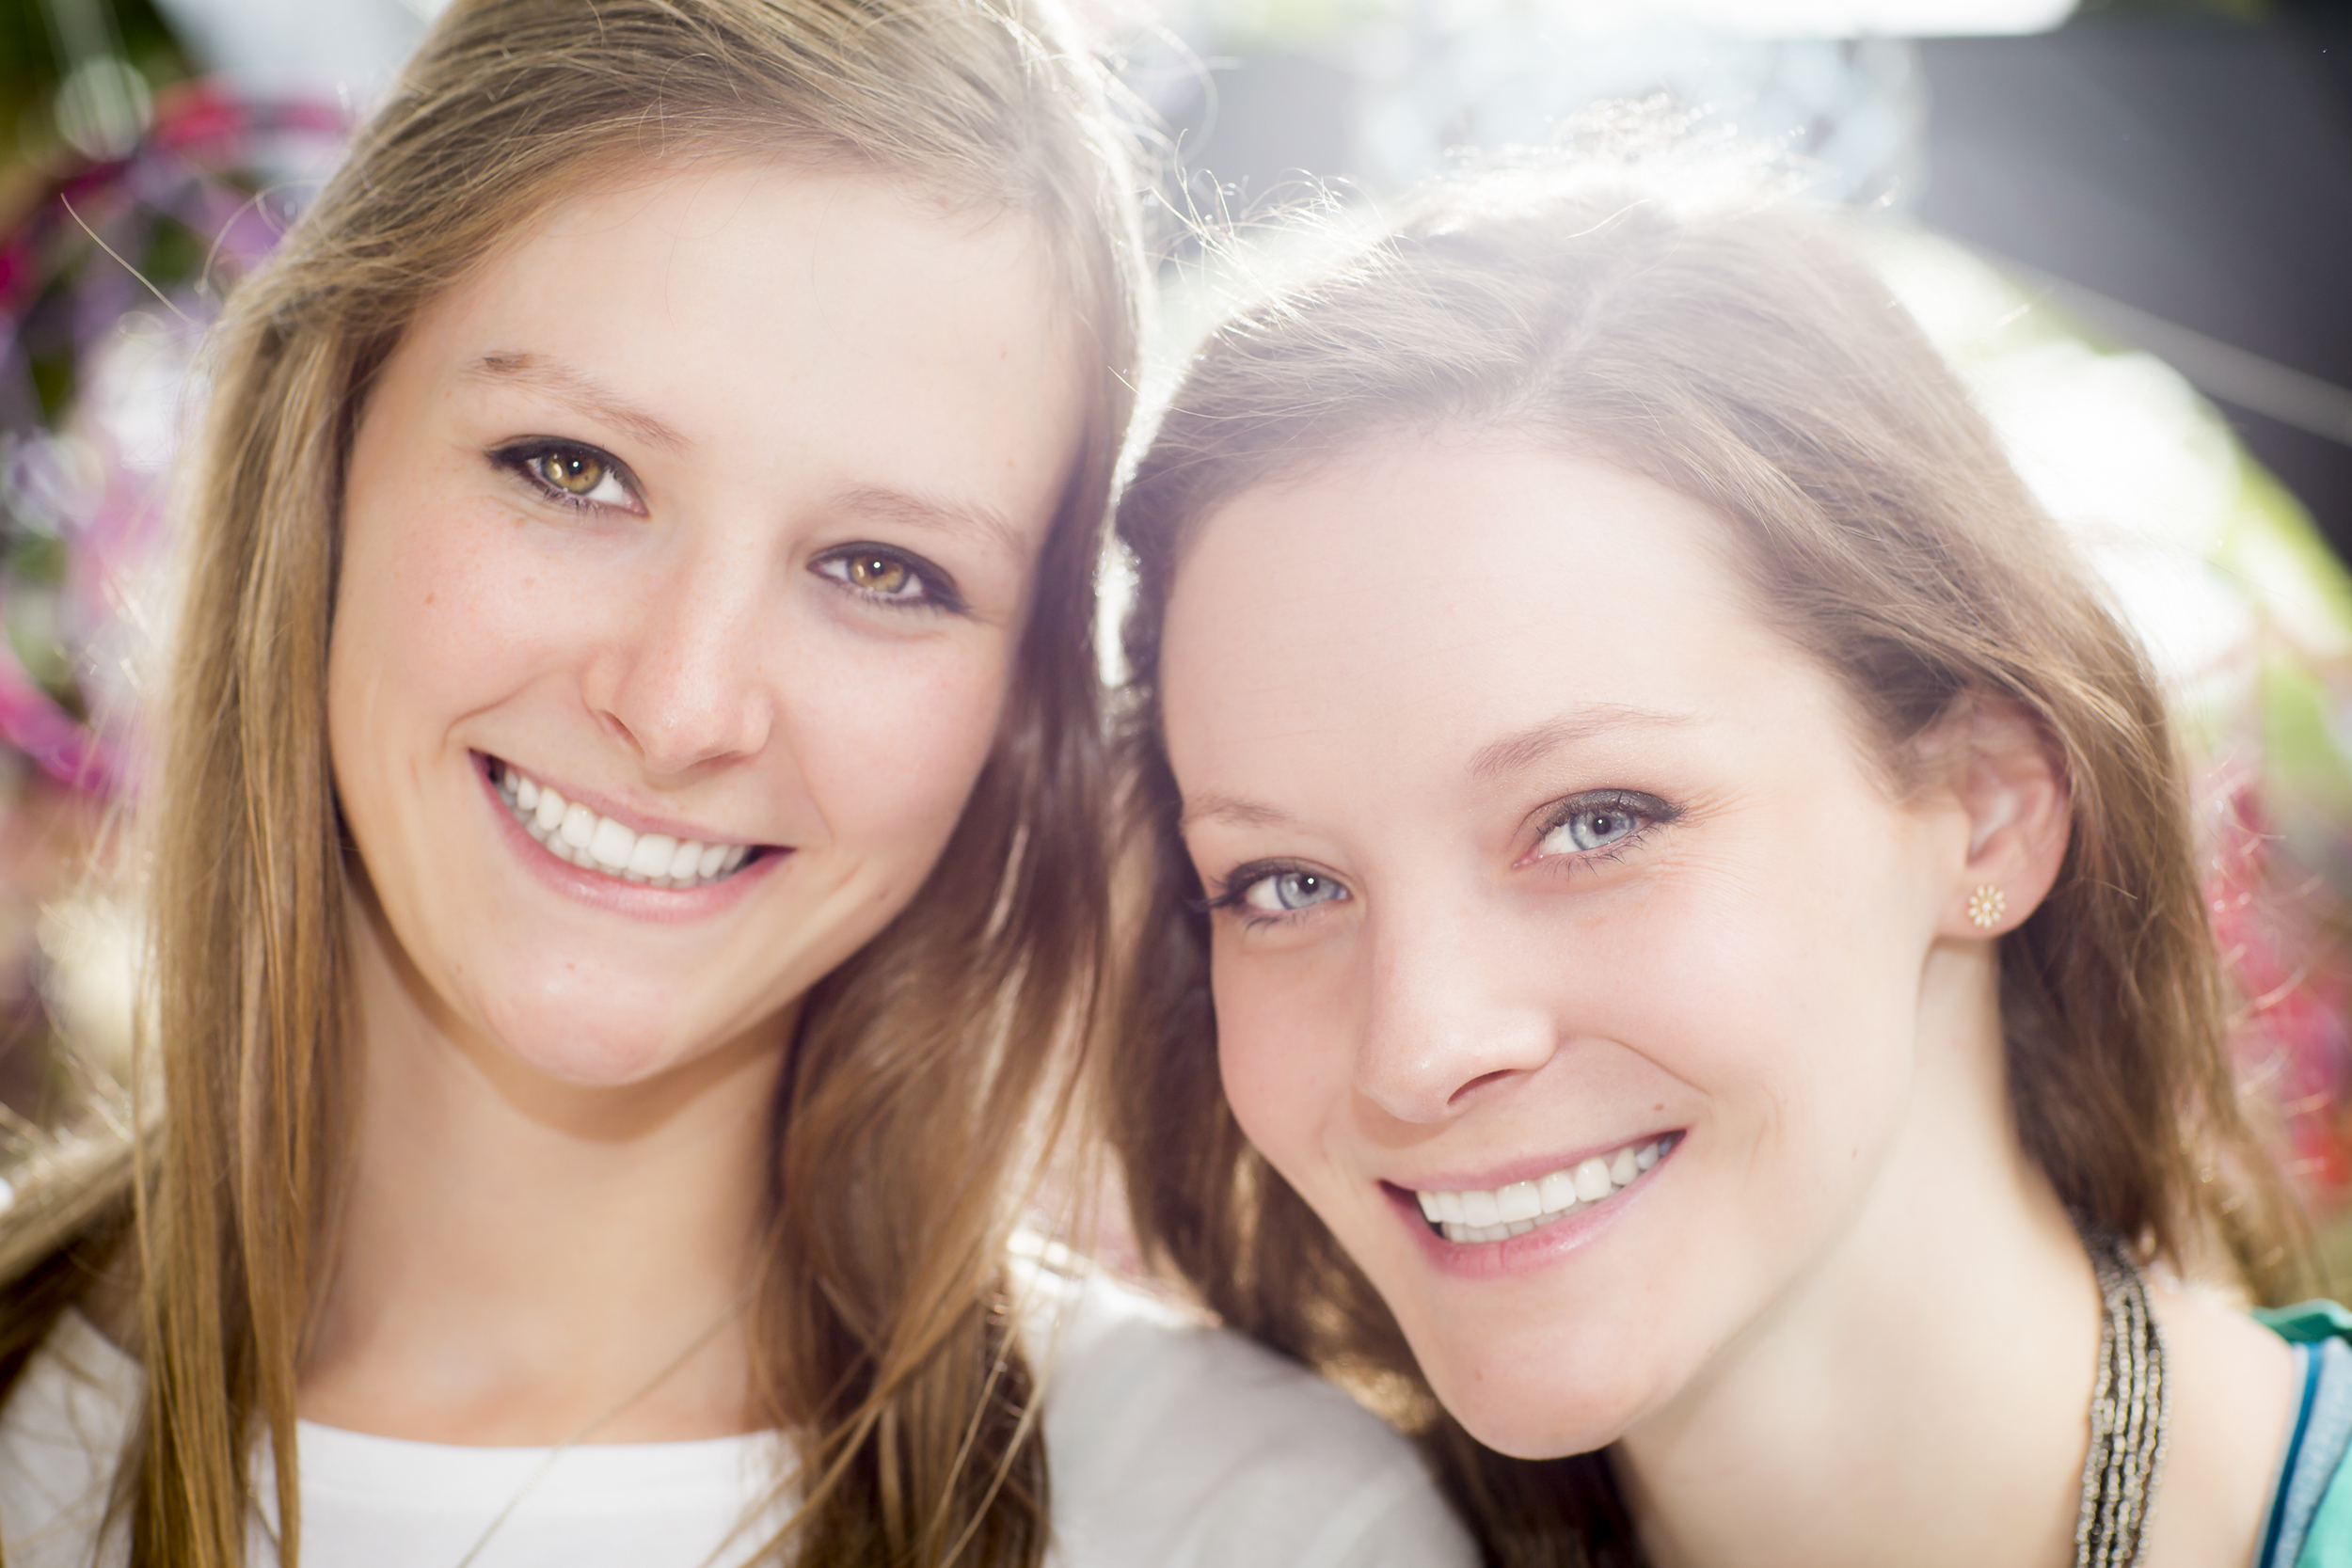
x,y
1515,1210
571,832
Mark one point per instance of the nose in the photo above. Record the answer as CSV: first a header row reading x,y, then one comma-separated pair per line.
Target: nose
x,y
684,685
1448,1020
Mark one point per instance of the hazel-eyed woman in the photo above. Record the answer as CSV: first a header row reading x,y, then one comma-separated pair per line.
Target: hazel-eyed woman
x,y
626,859
1688,894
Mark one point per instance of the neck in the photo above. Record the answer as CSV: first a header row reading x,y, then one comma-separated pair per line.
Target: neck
x,y
516,1256
1923,1393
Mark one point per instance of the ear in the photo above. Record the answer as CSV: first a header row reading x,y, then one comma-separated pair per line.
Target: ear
x,y
2005,774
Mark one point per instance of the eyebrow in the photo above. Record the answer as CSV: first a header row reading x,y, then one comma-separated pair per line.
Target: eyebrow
x,y
987,523
1241,813
1493,761
1508,755
579,389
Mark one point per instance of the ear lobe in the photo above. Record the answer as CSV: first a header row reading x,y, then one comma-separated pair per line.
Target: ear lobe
x,y
2020,816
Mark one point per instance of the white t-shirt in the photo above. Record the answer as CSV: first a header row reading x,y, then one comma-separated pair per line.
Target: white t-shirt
x,y
1171,1444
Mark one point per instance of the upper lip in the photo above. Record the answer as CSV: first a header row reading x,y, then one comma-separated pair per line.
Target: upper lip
x,y
637,822
1533,1168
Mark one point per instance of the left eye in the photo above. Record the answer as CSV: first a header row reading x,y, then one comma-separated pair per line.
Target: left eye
x,y
1596,825
1285,890
884,574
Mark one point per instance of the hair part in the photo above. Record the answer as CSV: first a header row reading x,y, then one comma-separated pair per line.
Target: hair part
x,y
923,1069
1735,351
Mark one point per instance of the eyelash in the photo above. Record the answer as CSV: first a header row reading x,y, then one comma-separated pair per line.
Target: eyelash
x,y
1235,888
1649,811
939,590
516,457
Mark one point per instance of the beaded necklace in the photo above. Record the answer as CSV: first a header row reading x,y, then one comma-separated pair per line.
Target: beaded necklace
x,y
2126,1412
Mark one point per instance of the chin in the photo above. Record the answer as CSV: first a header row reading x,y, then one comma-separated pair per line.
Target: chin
x,y
610,1046
1531,1433
1533,1421
1512,1408
594,1064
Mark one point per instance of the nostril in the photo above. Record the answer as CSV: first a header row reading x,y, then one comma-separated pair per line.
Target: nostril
x,y
1476,1083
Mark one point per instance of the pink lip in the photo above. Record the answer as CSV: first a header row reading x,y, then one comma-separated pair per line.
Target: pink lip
x,y
658,905
1541,1249
1533,1169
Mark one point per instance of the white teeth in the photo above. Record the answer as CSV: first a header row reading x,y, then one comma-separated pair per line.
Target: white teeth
x,y
610,843
1592,1180
650,856
573,833
1523,1205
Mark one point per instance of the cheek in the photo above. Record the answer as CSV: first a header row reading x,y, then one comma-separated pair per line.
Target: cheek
x,y
1797,1027
890,738
1283,1057
445,608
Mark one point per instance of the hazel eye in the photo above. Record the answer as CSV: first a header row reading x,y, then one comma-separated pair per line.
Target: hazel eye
x,y
583,474
574,472
574,475
1284,890
889,576
878,573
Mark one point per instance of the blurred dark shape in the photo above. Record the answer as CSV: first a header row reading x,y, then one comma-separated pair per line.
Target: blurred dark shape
x,y
112,263
119,50
2192,166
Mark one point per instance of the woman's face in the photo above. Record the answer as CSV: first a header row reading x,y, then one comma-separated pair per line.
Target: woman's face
x,y
1555,898
686,550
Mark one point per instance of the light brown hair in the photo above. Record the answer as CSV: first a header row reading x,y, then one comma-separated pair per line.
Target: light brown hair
x,y
1738,351
922,1069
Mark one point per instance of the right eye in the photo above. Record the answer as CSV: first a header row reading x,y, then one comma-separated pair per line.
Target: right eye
x,y
570,474
1284,891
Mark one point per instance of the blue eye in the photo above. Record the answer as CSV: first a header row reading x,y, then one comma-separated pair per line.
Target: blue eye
x,y
1601,821
1282,892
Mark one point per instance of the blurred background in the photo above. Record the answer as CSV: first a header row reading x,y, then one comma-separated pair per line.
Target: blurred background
x,y
2129,222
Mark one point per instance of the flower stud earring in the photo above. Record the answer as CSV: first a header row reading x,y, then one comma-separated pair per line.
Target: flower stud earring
x,y
1985,906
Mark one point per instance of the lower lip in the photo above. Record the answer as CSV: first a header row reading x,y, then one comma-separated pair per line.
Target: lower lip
x,y
635,901
1539,1248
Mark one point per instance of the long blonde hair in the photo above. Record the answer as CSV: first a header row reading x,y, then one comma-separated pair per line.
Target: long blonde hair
x,y
920,1067
1735,351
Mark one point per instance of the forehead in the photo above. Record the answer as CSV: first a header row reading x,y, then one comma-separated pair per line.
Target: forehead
x,y
781,310
1421,604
